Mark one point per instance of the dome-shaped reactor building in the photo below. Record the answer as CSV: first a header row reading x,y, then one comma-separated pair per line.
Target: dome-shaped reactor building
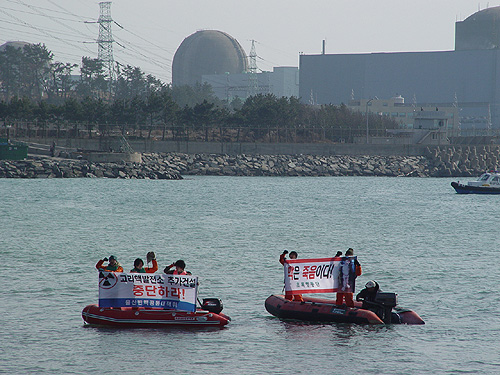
x,y
16,44
207,52
480,30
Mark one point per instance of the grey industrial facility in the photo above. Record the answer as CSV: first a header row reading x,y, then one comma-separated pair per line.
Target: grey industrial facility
x,y
282,81
216,58
207,52
467,77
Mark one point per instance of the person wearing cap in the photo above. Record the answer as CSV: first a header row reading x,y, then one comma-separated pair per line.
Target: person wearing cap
x,y
288,295
180,266
113,265
368,294
139,264
357,272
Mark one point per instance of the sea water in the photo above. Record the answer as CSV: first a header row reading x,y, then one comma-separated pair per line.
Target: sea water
x,y
416,237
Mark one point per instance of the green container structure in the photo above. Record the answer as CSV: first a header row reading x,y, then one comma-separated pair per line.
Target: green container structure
x,y
12,150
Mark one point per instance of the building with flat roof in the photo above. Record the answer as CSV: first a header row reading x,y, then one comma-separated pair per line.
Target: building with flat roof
x,y
468,77
409,115
426,124
282,81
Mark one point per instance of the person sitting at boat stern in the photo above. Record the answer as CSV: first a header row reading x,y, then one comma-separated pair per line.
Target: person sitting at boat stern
x,y
349,296
139,264
113,265
180,266
368,294
288,295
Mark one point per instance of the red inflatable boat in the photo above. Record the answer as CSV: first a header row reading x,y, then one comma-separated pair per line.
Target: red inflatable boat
x,y
325,310
208,316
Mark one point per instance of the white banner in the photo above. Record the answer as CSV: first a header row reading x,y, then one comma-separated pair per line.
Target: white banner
x,y
178,292
321,275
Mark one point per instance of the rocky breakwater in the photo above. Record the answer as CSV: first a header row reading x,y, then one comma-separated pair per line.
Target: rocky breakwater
x,y
438,162
462,161
291,165
39,167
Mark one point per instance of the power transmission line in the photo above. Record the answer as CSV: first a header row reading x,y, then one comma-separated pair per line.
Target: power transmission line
x,y
55,19
36,28
62,16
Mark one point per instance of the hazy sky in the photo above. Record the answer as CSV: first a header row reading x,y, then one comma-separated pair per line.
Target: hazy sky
x,y
153,29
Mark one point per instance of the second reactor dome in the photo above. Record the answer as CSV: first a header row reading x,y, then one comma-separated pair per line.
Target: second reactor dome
x,y
481,30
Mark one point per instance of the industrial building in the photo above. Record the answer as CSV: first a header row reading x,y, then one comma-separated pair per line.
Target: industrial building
x,y
282,81
425,124
17,44
467,77
216,58
207,52
407,115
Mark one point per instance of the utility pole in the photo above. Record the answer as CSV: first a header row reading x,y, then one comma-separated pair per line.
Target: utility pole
x,y
367,103
458,130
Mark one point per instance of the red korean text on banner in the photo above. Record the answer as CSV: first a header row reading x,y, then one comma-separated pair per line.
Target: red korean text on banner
x,y
320,275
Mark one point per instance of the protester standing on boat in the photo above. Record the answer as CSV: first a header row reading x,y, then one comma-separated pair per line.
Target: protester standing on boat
x,y
113,265
349,296
293,255
368,294
288,295
180,266
139,264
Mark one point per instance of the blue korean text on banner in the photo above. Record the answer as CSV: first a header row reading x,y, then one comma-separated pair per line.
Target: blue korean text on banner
x,y
178,292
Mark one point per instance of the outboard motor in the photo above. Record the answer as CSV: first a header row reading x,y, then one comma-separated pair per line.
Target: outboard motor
x,y
214,305
386,301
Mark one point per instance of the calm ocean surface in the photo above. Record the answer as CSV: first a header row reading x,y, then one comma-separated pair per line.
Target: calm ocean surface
x,y
436,249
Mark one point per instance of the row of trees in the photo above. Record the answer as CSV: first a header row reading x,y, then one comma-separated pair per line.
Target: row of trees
x,y
30,71
260,118
45,94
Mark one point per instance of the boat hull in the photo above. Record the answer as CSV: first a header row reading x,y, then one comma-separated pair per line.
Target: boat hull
x,y
146,318
468,189
325,310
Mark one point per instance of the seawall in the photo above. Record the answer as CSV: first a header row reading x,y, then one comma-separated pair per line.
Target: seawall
x,y
234,148
467,161
290,165
462,161
46,167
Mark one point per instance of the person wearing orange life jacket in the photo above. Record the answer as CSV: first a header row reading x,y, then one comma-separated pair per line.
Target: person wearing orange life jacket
x,y
139,264
288,295
349,296
180,266
113,265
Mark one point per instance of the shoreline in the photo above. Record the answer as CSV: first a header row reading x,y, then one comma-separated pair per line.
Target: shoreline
x,y
172,166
